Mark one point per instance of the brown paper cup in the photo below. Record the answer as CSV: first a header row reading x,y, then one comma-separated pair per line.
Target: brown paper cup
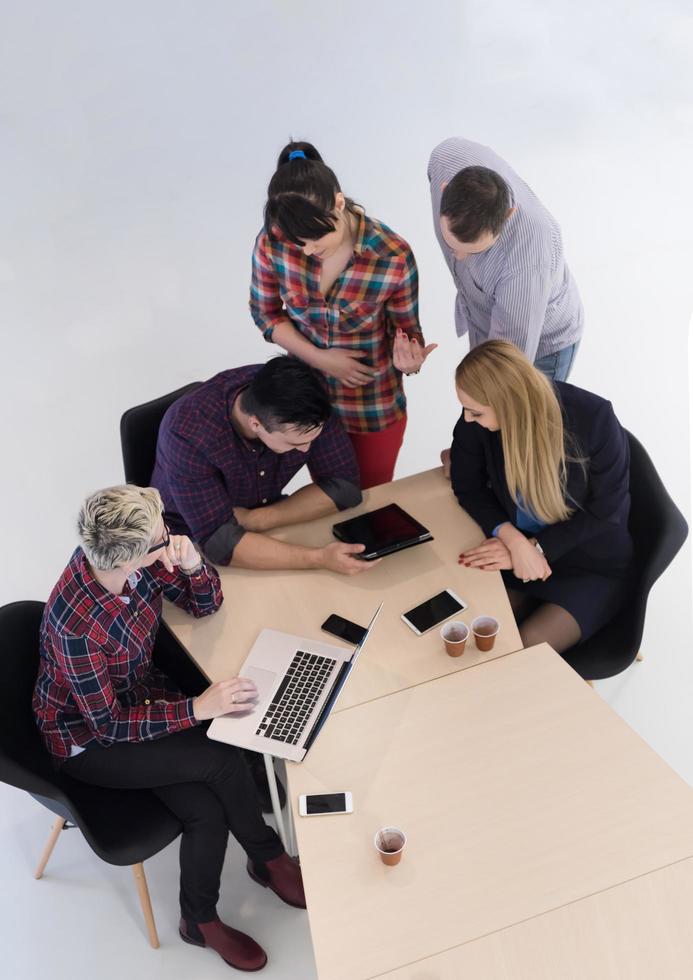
x,y
485,630
455,636
389,843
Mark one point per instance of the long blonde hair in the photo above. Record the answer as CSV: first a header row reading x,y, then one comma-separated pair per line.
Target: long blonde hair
x,y
499,375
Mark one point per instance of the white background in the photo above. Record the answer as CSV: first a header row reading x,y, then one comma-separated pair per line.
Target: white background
x,y
138,138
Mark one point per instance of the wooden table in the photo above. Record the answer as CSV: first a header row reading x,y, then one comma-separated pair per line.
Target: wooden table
x,y
636,931
520,791
300,601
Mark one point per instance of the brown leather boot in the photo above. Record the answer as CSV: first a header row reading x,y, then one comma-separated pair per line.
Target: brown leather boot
x,y
234,947
283,875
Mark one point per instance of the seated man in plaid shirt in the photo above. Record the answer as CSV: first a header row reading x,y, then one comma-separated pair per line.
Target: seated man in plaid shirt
x,y
227,450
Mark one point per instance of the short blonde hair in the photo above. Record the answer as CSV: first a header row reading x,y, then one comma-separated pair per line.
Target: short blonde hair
x,y
116,525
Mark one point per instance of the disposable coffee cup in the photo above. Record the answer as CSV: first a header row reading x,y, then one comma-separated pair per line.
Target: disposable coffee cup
x,y
455,636
389,843
485,630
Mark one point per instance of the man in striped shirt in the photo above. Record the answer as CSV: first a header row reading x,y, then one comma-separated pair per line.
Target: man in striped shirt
x,y
505,254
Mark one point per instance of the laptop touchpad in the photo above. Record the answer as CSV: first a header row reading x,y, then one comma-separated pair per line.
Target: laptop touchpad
x,y
264,681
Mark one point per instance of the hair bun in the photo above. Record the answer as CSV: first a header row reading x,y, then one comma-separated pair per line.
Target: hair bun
x,y
308,150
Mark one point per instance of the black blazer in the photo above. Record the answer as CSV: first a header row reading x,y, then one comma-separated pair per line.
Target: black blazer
x,y
595,538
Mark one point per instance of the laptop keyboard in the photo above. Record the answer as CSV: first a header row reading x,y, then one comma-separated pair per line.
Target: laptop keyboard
x,y
296,697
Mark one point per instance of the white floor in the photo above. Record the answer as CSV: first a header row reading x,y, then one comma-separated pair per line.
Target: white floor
x,y
137,141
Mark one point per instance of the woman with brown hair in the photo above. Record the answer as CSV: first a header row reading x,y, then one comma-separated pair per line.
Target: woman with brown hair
x,y
339,290
545,472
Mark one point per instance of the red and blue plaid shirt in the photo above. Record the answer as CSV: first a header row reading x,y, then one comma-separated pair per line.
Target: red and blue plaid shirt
x,y
96,683
376,295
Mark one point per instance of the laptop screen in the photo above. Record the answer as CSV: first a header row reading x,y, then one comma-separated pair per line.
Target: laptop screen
x,y
380,529
342,676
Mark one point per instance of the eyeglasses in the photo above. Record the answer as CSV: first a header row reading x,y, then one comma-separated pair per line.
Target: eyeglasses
x,y
162,544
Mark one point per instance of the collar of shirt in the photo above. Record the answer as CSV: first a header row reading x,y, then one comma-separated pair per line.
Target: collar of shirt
x,y
360,244
109,602
256,447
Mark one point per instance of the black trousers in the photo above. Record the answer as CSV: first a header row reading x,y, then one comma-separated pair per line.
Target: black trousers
x,y
207,785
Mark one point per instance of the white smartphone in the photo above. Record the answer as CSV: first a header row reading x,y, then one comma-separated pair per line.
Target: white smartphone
x,y
433,611
325,803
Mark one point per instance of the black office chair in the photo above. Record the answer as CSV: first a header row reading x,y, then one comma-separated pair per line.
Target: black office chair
x,y
123,827
139,430
658,529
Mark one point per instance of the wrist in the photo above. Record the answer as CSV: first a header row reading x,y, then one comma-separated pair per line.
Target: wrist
x,y
192,569
317,558
510,536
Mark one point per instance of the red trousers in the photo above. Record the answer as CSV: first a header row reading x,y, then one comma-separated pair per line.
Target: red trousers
x,y
377,453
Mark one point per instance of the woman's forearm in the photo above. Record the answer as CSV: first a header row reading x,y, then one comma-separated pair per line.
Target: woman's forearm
x,y
287,336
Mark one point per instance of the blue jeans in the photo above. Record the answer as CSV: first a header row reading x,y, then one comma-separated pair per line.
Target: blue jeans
x,y
557,366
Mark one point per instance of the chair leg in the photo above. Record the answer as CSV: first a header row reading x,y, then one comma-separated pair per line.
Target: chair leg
x,y
50,844
145,902
639,656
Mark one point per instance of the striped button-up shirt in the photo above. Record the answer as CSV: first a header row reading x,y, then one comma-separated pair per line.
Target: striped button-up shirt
x,y
520,289
374,296
96,683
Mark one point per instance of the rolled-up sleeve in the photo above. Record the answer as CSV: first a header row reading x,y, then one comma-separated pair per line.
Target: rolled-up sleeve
x,y
402,307
220,545
519,309
333,467
266,306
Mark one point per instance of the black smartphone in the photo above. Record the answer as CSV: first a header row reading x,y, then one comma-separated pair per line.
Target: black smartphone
x,y
344,629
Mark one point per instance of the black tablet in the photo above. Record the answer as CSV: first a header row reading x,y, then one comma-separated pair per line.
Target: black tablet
x,y
382,531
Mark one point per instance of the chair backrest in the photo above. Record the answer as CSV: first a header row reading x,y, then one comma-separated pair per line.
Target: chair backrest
x,y
657,526
658,529
139,430
24,760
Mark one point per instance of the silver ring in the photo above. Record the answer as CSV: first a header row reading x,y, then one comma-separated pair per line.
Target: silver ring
x,y
525,580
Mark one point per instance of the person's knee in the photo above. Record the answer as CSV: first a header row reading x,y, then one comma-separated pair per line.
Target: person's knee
x,y
224,762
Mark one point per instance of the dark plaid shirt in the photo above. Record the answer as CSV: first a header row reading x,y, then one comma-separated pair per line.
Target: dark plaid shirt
x,y
96,683
204,468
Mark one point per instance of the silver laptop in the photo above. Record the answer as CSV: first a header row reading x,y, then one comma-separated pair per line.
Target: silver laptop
x,y
298,683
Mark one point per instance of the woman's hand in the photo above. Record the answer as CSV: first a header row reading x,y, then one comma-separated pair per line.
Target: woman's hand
x,y
345,366
225,698
528,564
491,556
408,355
180,551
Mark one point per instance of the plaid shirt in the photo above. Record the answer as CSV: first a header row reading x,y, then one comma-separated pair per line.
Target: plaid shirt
x,y
96,683
204,468
375,295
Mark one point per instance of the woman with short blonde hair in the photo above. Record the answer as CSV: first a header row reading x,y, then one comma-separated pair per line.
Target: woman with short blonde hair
x,y
110,717
545,472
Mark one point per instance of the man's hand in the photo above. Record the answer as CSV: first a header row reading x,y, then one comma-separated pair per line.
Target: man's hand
x,y
340,557
225,698
408,355
491,556
346,366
